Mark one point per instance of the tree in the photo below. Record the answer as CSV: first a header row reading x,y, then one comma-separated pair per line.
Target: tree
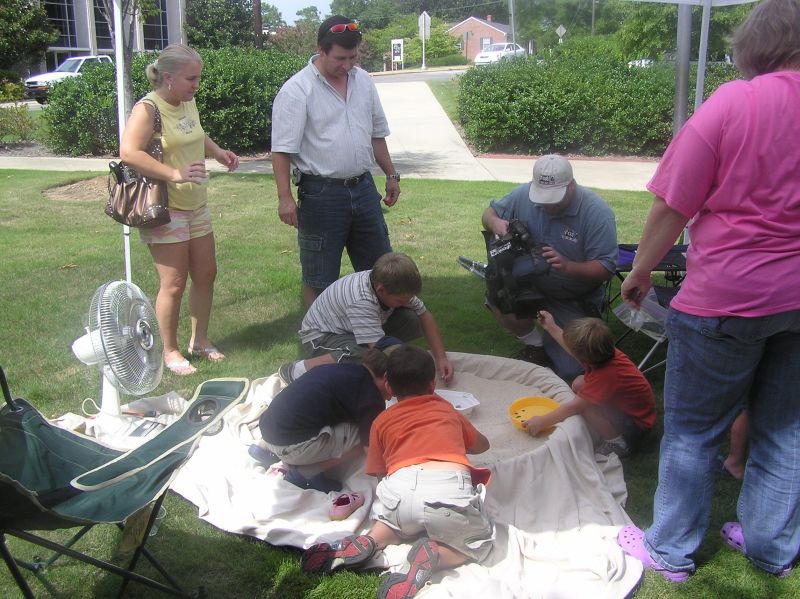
x,y
271,17
219,23
308,21
25,32
377,42
371,14
258,28
301,39
451,11
650,30
309,16
131,11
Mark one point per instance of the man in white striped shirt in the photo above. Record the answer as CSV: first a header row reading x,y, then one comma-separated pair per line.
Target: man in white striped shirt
x,y
367,309
328,130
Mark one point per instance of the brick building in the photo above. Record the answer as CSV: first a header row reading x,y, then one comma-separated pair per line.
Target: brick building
x,y
475,34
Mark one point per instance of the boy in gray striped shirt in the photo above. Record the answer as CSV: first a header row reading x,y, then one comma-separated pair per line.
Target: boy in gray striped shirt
x,y
375,307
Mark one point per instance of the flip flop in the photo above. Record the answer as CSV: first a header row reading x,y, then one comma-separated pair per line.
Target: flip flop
x,y
210,353
181,367
631,540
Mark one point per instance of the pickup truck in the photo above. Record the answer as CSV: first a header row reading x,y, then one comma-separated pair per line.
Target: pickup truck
x,y
38,87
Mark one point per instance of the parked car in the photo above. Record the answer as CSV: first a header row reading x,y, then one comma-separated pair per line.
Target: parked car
x,y
38,87
497,52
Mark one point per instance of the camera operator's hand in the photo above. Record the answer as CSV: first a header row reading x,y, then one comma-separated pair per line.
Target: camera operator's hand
x,y
500,227
546,320
554,259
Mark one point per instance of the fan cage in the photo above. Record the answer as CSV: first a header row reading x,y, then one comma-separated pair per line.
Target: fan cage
x,y
129,340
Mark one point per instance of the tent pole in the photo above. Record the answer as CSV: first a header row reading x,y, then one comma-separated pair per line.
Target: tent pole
x,y
682,65
702,54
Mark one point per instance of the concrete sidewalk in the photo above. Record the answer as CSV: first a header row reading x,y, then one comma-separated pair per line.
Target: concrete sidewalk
x,y
423,144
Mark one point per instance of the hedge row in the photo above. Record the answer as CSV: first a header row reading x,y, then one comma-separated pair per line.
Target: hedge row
x,y
234,100
587,102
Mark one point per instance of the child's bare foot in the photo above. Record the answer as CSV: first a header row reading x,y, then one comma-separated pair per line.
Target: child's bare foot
x,y
734,467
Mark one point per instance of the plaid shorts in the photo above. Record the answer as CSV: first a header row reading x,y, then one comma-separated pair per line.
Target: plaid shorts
x,y
183,226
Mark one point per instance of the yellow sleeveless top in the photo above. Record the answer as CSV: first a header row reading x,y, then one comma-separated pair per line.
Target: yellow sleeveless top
x,y
183,140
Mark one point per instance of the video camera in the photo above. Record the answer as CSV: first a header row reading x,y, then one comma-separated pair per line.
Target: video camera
x,y
514,260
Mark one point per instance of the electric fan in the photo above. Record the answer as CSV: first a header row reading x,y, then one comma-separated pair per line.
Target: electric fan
x,y
122,339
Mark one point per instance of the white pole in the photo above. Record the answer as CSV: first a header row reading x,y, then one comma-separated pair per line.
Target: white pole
x,y
682,63
122,111
423,53
702,54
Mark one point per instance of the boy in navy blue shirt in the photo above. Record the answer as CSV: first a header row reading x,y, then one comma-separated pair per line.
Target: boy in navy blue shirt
x,y
324,417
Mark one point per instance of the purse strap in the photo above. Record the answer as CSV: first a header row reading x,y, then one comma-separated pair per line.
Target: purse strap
x,y
154,146
156,116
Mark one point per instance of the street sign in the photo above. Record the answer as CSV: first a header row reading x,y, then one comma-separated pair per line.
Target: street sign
x,y
424,26
561,30
397,54
424,32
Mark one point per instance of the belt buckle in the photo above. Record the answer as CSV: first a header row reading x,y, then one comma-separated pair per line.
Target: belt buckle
x,y
349,182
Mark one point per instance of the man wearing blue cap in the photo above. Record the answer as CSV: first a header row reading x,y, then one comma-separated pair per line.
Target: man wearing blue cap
x,y
576,233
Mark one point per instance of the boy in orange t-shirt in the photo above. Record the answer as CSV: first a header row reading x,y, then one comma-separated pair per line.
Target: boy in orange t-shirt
x,y
428,488
612,395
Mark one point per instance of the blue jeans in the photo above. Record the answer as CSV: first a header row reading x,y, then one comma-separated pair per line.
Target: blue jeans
x,y
714,365
334,217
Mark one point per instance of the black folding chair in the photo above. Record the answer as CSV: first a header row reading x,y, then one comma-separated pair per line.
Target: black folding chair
x,y
673,268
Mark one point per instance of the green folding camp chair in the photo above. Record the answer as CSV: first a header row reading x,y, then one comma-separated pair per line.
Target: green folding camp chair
x,y
51,479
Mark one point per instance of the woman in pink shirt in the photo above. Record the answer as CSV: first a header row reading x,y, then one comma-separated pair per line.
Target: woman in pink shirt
x,y
734,327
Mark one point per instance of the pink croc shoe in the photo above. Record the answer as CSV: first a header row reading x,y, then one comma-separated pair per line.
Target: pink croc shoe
x,y
345,504
631,540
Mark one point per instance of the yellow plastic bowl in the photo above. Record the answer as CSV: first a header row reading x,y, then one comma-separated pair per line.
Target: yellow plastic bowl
x,y
527,407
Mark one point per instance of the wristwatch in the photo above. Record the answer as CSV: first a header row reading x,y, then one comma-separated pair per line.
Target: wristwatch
x,y
395,176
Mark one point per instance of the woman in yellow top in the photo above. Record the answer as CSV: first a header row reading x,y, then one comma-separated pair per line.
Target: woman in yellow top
x,y
185,246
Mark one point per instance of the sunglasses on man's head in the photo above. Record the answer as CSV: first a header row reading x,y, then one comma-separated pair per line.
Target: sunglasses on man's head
x,y
342,27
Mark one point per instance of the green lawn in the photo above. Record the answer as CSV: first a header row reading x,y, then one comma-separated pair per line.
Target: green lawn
x,y
446,93
54,254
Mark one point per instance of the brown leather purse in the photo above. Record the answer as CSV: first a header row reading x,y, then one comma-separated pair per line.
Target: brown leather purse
x,y
136,200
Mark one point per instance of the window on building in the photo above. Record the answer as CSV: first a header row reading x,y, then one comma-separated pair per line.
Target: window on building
x,y
102,33
61,15
485,41
155,28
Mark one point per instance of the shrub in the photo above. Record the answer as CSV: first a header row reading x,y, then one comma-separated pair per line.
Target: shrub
x,y
16,123
235,97
583,99
11,92
234,100
8,76
11,88
81,114
446,61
